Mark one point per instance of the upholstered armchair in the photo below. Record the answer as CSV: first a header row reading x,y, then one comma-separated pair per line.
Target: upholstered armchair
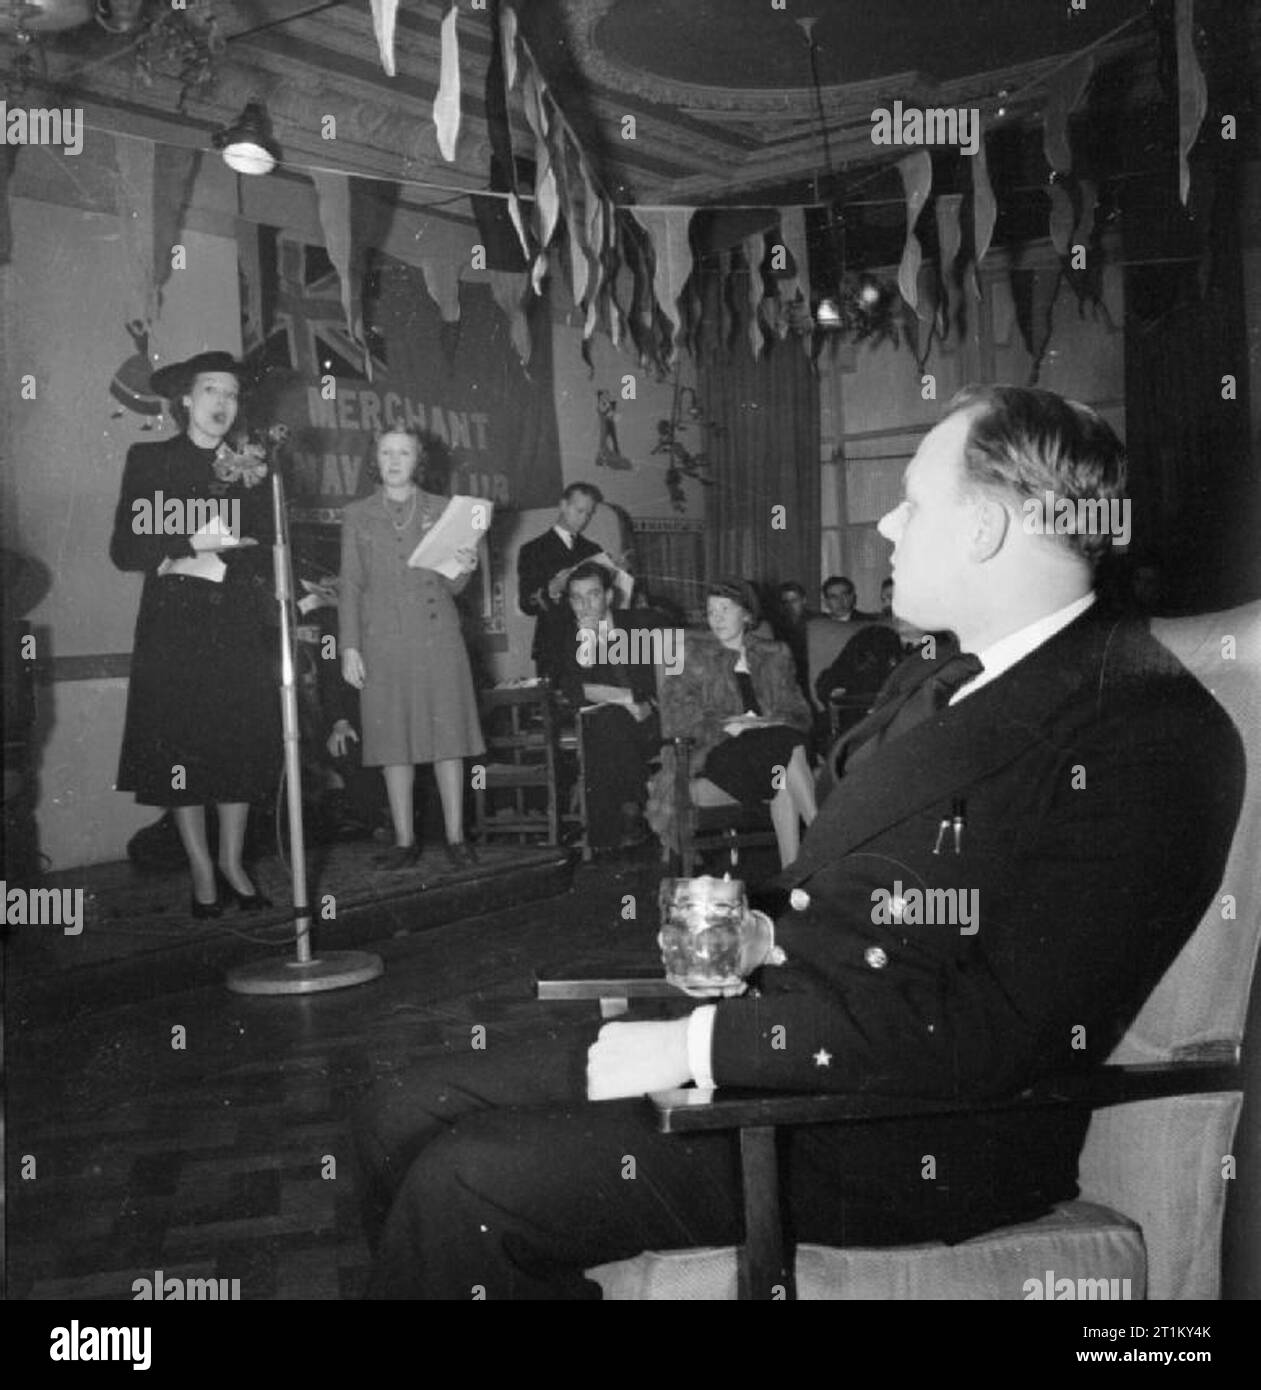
x,y
1164,1153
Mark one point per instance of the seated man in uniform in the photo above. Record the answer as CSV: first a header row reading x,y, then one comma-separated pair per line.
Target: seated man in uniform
x,y
1057,738
622,733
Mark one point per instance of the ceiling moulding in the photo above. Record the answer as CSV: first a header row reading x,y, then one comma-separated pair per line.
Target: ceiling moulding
x,y
373,140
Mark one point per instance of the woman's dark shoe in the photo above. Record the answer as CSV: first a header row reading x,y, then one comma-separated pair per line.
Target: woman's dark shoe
x,y
246,902
204,910
460,854
400,857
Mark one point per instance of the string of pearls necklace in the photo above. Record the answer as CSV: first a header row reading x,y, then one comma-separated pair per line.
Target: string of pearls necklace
x,y
392,514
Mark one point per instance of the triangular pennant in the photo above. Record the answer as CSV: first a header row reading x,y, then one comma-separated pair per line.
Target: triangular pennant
x,y
508,289
576,220
384,13
667,230
333,195
1089,192
1062,218
174,173
792,230
754,254
594,245
442,280
508,44
984,204
134,160
546,201
446,102
949,239
1192,93
917,182
1063,91
503,166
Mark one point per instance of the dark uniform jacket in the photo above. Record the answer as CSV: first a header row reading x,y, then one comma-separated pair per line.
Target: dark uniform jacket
x,y
1099,784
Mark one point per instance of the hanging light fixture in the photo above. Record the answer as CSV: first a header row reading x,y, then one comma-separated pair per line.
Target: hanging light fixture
x,y
827,312
43,16
247,144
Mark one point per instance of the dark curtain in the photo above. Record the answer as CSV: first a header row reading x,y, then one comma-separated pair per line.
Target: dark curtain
x,y
763,509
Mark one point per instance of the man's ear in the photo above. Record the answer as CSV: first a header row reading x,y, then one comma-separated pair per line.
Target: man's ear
x,y
989,530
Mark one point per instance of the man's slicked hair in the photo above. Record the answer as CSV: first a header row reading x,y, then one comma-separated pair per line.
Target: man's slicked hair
x,y
1024,442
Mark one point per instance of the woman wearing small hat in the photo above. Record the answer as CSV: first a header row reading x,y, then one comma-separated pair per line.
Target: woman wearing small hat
x,y
202,723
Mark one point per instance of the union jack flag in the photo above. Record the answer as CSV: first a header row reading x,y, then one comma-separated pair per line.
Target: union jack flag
x,y
292,314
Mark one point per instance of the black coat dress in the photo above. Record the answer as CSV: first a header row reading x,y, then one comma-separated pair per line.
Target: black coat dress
x,y
202,718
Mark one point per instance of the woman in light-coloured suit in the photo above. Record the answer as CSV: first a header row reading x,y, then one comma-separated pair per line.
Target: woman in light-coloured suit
x,y
403,650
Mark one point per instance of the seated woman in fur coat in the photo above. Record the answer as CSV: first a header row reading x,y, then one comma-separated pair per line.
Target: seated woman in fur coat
x,y
738,699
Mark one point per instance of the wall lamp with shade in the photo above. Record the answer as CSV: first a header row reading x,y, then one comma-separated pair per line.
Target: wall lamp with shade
x,y
247,144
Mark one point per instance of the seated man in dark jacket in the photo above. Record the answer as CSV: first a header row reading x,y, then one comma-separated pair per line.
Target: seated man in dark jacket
x,y
1057,738
607,670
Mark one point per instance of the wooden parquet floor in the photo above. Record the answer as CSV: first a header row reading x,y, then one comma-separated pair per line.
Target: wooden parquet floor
x,y
231,1156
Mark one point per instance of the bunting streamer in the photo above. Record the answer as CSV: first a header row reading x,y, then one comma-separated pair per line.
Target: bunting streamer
x,y
1089,203
576,222
175,170
1063,91
546,199
135,164
508,44
754,253
667,230
442,280
333,197
984,211
1112,293
1192,94
384,13
446,104
503,164
594,249
917,181
508,288
792,231
1062,218
949,239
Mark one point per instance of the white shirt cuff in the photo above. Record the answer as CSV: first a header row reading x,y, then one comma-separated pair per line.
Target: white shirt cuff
x,y
700,1045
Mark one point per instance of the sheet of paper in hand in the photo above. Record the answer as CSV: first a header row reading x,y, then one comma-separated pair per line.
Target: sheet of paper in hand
x,y
206,564
464,522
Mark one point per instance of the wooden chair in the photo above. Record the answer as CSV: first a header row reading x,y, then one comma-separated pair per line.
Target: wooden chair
x,y
522,757
708,818
1166,1113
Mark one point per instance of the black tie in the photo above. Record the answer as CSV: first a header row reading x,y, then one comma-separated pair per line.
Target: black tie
x,y
924,701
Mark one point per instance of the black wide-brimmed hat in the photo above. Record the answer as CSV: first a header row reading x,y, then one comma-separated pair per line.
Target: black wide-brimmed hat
x,y
176,380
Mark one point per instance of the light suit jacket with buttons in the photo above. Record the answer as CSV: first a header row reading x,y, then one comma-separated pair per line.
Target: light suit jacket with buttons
x,y
1100,784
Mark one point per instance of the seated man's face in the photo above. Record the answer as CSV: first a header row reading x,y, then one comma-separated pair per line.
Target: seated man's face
x,y
590,601
932,528
839,600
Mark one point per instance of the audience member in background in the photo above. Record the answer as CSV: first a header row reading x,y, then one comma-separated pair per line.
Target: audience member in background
x,y
790,628
737,697
886,599
402,648
840,600
623,733
848,687
543,569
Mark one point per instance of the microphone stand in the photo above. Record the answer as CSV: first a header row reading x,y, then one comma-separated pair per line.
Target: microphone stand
x,y
307,974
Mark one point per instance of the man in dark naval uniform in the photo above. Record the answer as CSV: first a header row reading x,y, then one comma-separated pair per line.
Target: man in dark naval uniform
x,y
1051,748
543,567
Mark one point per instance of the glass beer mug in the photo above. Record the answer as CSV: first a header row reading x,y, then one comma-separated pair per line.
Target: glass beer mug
x,y
703,928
